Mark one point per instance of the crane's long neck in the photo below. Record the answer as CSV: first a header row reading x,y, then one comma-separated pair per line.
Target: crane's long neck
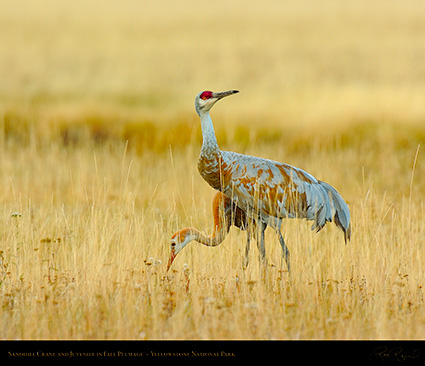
x,y
212,240
210,157
209,143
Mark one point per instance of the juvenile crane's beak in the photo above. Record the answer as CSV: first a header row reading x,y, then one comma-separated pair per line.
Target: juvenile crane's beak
x,y
220,95
173,255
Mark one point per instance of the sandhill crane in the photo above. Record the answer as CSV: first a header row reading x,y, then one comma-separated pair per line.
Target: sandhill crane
x,y
266,190
225,214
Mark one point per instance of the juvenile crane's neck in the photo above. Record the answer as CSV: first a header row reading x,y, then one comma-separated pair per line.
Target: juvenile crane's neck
x,y
211,241
209,143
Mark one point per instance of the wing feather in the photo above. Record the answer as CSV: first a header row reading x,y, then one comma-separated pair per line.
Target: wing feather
x,y
271,189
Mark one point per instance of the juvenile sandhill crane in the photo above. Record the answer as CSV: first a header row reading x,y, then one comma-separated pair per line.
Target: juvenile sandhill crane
x,y
266,190
225,214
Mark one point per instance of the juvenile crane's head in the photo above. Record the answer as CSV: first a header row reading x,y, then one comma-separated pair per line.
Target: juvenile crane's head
x,y
205,100
178,241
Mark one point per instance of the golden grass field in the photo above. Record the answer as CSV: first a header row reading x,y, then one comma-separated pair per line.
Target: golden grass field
x,y
99,143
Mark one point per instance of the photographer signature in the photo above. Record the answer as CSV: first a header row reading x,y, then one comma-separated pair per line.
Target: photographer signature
x,y
384,353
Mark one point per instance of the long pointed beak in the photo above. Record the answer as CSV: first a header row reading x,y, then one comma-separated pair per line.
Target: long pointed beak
x,y
171,260
220,95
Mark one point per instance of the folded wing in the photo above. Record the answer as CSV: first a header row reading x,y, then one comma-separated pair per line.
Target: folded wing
x,y
274,190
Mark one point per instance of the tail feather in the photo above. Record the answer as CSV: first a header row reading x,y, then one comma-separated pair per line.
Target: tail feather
x,y
340,211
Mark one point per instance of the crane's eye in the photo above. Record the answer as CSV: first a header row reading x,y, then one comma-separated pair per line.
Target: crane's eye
x,y
206,95
173,244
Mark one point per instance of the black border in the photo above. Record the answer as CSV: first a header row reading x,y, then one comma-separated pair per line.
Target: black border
x,y
378,352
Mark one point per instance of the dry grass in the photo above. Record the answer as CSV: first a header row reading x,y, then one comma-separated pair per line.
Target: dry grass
x,y
98,150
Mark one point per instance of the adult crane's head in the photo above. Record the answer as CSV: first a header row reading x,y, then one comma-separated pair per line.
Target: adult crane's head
x,y
205,100
178,241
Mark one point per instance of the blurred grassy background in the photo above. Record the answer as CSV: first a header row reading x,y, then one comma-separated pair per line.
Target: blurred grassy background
x,y
133,68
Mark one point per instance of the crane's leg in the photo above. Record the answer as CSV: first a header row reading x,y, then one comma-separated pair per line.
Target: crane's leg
x,y
284,249
248,244
260,243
